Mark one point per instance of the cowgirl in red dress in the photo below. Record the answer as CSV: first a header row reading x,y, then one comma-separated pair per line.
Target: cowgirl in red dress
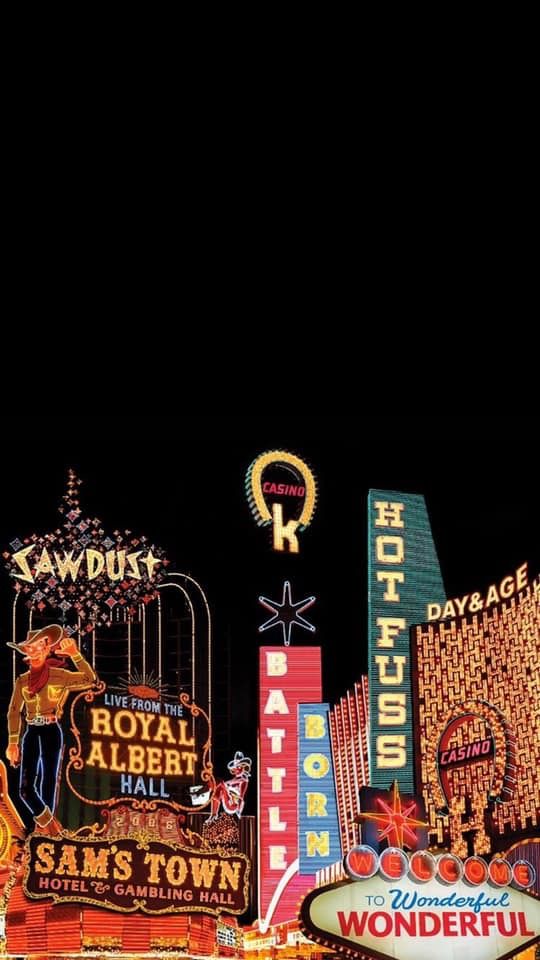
x,y
230,794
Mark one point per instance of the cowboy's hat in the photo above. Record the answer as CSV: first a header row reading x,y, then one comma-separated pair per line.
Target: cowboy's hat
x,y
54,633
239,760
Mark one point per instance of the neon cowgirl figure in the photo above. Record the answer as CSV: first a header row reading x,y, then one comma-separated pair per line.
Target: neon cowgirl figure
x,y
230,794
42,692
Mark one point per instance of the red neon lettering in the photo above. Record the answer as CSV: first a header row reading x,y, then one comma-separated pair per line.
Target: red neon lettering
x,y
449,868
392,865
352,920
500,872
523,874
422,866
361,864
283,489
475,870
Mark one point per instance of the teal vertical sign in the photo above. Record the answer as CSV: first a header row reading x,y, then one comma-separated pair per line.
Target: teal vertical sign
x,y
404,576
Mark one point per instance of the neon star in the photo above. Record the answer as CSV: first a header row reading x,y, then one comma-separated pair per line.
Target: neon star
x,y
287,613
396,820
150,560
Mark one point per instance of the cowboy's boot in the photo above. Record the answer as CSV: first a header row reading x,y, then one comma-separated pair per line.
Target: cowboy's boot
x,y
47,824
54,827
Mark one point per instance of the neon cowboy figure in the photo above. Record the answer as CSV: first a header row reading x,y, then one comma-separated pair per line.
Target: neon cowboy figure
x,y
230,794
42,692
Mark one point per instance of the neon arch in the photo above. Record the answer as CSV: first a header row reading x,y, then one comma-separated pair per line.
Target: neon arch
x,y
503,780
254,491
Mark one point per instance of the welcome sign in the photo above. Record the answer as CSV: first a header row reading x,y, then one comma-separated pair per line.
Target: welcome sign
x,y
405,918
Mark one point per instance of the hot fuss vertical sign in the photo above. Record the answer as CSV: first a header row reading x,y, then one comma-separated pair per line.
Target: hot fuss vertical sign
x,y
404,575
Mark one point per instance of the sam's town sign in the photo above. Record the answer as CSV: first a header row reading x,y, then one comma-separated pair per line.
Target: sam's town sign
x,y
136,874
400,908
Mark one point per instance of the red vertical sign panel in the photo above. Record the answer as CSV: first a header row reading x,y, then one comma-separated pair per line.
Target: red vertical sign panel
x,y
287,676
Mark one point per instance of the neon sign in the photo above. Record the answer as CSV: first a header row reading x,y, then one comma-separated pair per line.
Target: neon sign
x,y
318,825
133,753
34,731
473,684
287,676
115,569
274,500
287,614
362,863
137,747
116,564
284,489
404,574
474,602
231,794
479,748
127,874
391,817
396,907
349,736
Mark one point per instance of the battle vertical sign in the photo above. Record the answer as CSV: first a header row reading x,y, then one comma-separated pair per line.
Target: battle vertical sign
x,y
288,676
404,575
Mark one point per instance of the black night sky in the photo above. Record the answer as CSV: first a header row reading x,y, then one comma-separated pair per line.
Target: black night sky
x,y
180,481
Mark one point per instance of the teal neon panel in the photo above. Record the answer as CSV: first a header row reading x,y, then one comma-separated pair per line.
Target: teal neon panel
x,y
404,576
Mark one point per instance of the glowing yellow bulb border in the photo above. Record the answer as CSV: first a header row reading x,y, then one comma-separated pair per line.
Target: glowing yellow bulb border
x,y
254,491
